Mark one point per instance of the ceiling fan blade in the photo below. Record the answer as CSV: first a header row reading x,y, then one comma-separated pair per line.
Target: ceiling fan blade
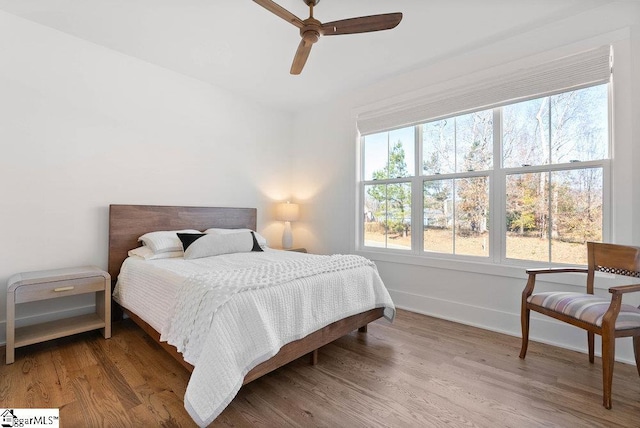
x,y
363,24
281,12
301,56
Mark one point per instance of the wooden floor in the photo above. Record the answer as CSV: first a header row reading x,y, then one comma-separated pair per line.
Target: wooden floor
x,y
418,371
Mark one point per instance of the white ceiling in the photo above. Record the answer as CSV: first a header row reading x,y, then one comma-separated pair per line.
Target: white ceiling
x,y
238,45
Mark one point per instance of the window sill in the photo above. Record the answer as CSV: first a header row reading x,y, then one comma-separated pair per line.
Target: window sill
x,y
604,281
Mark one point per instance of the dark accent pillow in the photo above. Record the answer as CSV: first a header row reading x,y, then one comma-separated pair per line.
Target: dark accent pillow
x,y
189,238
256,246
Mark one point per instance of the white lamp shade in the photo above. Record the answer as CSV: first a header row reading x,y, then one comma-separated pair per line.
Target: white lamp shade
x,y
288,212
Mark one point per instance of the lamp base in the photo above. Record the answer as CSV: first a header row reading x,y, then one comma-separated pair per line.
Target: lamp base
x,y
287,236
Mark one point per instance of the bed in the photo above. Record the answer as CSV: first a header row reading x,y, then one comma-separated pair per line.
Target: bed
x,y
128,222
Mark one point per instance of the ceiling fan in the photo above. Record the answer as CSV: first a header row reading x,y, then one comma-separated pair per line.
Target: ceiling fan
x,y
311,29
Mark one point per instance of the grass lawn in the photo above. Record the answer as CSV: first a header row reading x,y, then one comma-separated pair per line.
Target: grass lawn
x,y
518,247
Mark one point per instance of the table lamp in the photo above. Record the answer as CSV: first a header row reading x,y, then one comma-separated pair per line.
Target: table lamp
x,y
287,212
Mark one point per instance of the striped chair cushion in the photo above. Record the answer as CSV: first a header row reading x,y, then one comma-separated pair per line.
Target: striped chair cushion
x,y
586,307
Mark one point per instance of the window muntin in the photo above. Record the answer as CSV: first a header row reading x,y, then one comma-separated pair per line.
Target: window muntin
x,y
438,216
525,133
551,174
389,154
376,154
550,215
439,147
567,127
577,198
458,144
456,224
472,216
580,125
474,141
387,216
527,216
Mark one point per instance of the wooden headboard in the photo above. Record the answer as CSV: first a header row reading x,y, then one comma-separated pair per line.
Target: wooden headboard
x,y
128,222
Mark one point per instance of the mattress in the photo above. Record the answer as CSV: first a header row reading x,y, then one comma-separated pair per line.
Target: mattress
x,y
149,288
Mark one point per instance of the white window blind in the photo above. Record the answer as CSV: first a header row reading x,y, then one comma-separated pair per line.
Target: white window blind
x,y
581,70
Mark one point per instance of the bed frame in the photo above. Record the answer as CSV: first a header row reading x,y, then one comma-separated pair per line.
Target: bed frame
x,y
128,222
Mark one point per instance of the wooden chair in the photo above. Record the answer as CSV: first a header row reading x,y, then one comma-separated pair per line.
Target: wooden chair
x,y
608,318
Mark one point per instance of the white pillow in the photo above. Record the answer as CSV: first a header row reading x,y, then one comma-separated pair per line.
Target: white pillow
x,y
164,241
261,239
214,244
147,253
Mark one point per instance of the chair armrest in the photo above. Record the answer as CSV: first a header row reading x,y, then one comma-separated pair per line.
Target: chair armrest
x,y
531,283
621,289
556,270
609,318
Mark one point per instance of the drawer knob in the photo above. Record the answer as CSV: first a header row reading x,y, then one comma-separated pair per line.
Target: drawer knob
x,y
71,287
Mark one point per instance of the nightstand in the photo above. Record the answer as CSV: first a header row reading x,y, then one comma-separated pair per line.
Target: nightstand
x,y
52,284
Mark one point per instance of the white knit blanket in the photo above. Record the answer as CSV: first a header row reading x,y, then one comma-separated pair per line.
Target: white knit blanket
x,y
235,330
202,294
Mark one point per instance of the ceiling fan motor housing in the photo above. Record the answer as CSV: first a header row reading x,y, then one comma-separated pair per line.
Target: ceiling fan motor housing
x,y
312,30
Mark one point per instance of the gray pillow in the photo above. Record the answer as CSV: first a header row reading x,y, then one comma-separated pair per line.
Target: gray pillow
x,y
215,245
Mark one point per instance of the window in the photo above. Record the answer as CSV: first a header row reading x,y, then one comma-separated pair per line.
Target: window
x,y
389,159
523,181
456,208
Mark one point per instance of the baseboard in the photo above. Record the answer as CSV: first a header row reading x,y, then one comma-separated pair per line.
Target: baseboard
x,y
542,329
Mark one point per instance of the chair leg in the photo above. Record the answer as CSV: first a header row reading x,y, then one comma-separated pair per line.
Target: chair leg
x,y
524,320
591,345
608,358
636,351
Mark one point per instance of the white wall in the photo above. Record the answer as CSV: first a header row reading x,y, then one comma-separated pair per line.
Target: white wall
x,y
82,127
472,293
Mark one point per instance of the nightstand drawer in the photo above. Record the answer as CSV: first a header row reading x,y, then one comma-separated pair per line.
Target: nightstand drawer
x,y
51,290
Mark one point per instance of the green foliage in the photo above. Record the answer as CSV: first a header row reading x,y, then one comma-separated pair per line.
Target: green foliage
x,y
578,209
526,203
397,227
397,165
394,200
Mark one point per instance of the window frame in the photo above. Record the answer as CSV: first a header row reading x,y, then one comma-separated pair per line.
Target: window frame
x,y
497,194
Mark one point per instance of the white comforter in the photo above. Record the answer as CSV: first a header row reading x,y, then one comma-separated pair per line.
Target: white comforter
x,y
257,302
